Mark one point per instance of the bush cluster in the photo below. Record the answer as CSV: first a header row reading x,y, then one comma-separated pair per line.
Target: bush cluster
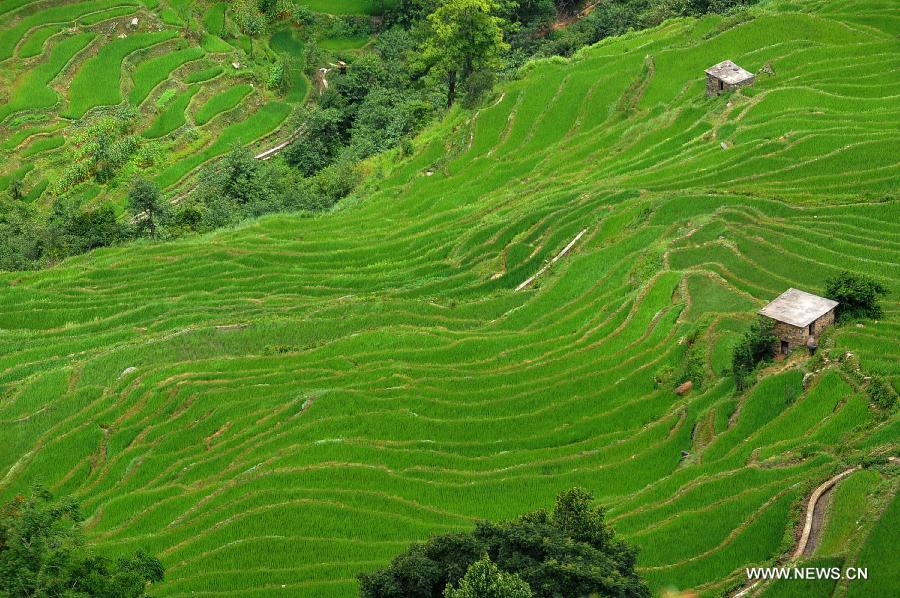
x,y
569,551
756,346
43,553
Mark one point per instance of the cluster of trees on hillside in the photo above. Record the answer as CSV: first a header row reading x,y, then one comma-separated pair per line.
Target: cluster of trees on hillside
x,y
567,551
429,55
43,553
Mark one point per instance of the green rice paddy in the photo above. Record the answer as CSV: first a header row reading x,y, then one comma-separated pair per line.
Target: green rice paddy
x,y
221,102
274,408
73,61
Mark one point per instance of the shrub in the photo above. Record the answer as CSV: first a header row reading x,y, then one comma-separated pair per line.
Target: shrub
x,y
857,294
755,346
880,393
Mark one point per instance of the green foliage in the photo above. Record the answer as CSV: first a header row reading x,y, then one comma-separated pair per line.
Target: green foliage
x,y
72,229
569,551
693,364
146,205
17,189
234,189
857,295
320,142
880,393
464,36
433,386
276,79
43,553
248,17
754,347
483,579
477,87
20,242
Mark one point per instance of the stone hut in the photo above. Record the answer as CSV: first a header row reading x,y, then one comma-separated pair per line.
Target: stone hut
x,y
800,317
726,76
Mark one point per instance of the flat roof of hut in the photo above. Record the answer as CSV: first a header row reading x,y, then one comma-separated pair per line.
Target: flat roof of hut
x,y
798,308
729,73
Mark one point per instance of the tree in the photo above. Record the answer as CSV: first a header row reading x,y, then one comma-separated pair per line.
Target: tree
x,y
567,552
21,236
463,36
235,188
72,229
43,553
484,579
303,16
320,142
249,19
146,205
856,294
17,189
755,346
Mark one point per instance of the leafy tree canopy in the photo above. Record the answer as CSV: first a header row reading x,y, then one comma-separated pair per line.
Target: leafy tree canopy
x,y
146,205
755,346
569,551
463,36
43,553
857,295
484,579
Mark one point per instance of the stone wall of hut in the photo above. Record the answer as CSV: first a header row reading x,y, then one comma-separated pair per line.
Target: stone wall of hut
x,y
796,336
712,85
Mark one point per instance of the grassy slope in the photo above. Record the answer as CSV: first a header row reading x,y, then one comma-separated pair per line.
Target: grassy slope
x,y
286,404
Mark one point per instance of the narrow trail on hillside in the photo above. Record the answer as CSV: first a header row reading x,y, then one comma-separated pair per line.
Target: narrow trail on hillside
x,y
275,150
812,527
546,267
813,523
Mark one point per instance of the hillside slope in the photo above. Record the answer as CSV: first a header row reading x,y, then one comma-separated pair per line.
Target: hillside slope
x,y
280,406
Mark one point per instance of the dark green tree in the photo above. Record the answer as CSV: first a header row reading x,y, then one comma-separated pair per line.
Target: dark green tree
x,y
21,236
146,205
569,551
72,230
320,142
757,345
235,188
249,19
857,295
43,553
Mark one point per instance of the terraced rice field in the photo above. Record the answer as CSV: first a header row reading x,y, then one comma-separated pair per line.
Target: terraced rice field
x,y
63,63
275,408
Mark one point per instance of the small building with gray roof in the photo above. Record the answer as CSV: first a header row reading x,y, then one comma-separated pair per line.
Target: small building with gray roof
x,y
800,317
726,76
